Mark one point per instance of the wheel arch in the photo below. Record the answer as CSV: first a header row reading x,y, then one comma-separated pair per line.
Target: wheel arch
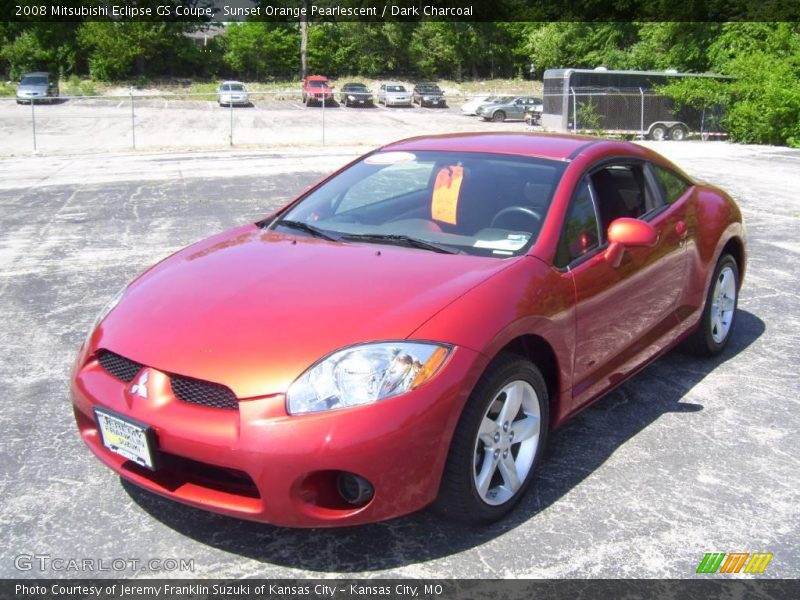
x,y
735,247
538,350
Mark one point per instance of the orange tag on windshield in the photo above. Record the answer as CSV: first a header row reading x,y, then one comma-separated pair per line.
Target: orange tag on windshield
x,y
444,204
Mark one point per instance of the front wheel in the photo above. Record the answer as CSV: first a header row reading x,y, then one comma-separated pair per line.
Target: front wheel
x,y
658,133
497,443
499,116
719,313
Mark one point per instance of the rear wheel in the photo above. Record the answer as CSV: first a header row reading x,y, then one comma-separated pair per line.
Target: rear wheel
x,y
497,443
499,116
719,313
678,133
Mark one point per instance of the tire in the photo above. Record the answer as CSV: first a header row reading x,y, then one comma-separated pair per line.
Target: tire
x,y
658,133
480,484
719,311
678,133
499,116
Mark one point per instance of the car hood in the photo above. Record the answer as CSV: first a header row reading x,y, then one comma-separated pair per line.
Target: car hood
x,y
253,309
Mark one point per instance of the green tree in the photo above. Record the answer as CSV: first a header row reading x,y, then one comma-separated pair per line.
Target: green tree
x,y
256,49
118,49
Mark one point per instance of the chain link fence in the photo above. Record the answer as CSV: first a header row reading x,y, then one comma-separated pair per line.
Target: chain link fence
x,y
137,121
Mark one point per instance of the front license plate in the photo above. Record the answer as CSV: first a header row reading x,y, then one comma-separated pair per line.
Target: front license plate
x,y
126,437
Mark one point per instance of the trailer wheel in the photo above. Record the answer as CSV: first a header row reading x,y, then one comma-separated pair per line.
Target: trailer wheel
x,y
658,133
678,133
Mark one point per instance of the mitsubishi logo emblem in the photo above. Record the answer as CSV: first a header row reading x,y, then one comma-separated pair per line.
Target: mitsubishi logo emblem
x,y
140,387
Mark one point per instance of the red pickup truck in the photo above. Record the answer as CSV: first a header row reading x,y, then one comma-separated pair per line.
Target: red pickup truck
x,y
317,89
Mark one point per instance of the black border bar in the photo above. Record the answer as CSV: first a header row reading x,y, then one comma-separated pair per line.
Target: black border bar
x,y
400,10
710,588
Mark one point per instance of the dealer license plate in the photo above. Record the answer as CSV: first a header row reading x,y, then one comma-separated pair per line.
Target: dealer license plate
x,y
126,437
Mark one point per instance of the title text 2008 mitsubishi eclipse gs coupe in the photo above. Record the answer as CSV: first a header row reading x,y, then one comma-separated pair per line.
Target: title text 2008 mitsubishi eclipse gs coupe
x,y
409,330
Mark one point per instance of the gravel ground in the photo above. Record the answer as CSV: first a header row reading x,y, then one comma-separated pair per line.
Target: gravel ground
x,y
687,458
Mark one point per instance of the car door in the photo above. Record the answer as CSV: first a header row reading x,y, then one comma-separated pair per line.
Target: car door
x,y
624,313
517,109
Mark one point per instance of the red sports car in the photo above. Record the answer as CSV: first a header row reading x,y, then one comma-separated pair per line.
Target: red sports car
x,y
409,330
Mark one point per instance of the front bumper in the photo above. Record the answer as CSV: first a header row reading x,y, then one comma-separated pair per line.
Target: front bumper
x,y
235,99
35,96
398,101
258,463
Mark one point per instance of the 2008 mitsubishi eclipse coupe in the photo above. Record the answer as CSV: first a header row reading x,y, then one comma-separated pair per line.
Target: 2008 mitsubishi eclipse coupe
x,y
407,331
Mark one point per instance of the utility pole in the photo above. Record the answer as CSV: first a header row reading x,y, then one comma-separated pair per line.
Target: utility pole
x,y
304,40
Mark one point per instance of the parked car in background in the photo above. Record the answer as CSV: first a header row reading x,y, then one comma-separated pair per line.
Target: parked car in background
x,y
37,87
394,94
428,94
470,106
355,94
232,92
317,89
513,107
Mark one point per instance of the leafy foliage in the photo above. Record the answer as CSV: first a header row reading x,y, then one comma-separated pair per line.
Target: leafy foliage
x,y
761,101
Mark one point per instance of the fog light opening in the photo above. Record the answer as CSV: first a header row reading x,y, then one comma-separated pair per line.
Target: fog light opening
x,y
354,489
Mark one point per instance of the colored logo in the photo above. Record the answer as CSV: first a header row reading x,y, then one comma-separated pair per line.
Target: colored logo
x,y
734,562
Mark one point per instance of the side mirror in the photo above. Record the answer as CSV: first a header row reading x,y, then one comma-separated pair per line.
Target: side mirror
x,y
628,233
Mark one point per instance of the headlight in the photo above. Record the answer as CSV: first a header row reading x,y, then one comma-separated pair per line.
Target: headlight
x,y
365,374
104,312
351,98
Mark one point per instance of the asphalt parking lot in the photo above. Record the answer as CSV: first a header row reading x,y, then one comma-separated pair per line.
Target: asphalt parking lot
x,y
105,124
689,457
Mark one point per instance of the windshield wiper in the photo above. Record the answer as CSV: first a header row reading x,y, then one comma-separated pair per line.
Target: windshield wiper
x,y
400,240
305,227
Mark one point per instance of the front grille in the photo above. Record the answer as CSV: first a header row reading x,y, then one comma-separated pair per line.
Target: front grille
x,y
119,366
186,389
203,393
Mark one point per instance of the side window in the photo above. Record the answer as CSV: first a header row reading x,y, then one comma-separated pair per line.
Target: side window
x,y
621,192
580,234
390,182
674,186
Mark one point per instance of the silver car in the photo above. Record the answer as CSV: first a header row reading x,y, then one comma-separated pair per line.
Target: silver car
x,y
508,108
232,92
394,94
37,87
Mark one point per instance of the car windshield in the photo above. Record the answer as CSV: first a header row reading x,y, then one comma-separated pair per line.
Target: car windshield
x,y
395,88
473,203
34,80
232,87
318,83
429,89
355,87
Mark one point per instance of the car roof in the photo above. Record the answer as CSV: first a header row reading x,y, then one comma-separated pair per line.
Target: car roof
x,y
316,78
540,145
231,81
37,74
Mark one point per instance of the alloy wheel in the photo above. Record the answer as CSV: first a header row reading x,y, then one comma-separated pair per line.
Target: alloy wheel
x,y
723,304
506,444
